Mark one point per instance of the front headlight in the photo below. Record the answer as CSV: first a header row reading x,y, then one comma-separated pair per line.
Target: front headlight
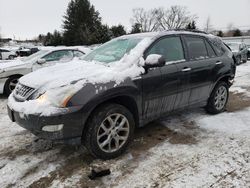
x,y
57,98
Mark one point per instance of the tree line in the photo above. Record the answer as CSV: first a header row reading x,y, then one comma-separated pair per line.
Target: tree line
x,y
82,24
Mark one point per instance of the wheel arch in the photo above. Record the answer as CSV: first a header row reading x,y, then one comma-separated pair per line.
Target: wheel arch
x,y
14,75
225,78
124,100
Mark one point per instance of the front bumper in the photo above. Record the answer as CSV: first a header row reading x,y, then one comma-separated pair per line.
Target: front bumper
x,y
72,125
2,83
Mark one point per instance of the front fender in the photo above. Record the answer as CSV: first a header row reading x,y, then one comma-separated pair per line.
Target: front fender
x,y
98,93
12,71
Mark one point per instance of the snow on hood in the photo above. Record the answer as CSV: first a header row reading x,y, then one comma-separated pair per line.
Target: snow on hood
x,y
81,72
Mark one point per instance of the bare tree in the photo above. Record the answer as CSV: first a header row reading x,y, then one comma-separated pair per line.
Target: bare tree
x,y
176,17
230,30
148,20
230,27
208,26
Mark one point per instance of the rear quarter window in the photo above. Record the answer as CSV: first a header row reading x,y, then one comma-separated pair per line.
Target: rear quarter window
x,y
210,50
218,46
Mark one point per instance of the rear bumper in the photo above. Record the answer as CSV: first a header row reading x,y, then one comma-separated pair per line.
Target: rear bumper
x,y
71,123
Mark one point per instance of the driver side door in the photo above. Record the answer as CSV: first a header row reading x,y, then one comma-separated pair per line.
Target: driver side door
x,y
161,84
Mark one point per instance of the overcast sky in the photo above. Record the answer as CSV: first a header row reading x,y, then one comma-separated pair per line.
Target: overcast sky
x,y
26,19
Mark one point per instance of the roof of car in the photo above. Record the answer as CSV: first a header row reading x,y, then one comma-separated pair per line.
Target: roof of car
x,y
51,48
168,32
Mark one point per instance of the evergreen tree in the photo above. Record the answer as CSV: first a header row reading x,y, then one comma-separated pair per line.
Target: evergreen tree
x,y
191,26
220,34
117,31
136,28
82,24
237,33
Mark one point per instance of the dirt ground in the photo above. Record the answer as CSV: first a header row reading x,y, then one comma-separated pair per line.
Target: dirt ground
x,y
189,149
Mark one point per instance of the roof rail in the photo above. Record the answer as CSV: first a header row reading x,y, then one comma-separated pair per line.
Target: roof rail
x,y
190,30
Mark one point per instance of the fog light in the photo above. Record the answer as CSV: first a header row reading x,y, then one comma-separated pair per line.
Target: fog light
x,y
52,128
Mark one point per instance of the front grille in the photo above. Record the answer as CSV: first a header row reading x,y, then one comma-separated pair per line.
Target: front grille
x,y
22,92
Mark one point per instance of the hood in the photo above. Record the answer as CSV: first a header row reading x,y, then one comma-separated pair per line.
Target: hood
x,y
79,72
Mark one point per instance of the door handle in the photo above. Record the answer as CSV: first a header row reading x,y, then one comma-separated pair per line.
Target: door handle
x,y
218,63
186,69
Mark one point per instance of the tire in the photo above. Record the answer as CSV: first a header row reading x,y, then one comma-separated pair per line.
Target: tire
x,y
215,106
238,60
101,118
10,84
11,57
245,60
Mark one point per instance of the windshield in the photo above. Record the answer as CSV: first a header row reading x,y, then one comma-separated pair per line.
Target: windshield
x,y
35,55
234,46
113,50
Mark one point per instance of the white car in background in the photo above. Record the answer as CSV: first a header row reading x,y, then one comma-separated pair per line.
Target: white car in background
x,y
11,71
7,54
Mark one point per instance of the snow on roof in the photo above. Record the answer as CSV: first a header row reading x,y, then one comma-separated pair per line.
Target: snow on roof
x,y
162,33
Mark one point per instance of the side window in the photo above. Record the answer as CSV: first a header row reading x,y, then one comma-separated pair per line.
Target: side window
x,y
59,55
78,53
218,46
170,48
210,50
196,48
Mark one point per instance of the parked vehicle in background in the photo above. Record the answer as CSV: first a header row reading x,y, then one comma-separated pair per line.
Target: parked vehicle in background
x,y
239,50
11,71
248,53
126,83
26,51
7,54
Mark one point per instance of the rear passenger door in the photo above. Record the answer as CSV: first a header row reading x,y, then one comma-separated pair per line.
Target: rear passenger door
x,y
197,69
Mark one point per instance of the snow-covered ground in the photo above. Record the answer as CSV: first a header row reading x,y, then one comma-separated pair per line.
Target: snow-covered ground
x,y
191,149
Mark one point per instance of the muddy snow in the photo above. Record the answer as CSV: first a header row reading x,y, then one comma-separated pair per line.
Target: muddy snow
x,y
190,149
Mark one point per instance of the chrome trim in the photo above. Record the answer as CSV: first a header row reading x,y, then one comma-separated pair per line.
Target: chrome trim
x,y
22,92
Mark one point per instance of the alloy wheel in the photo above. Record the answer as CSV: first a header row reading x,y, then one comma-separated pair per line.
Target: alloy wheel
x,y
13,84
221,97
113,133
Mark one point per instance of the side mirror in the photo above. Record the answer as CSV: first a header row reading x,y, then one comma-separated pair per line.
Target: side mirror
x,y
155,60
41,61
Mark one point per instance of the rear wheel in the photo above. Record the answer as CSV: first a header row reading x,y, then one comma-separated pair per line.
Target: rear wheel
x,y
218,99
11,57
109,131
11,84
245,59
238,60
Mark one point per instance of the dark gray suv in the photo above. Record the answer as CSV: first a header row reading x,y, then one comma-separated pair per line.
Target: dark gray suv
x,y
126,83
239,50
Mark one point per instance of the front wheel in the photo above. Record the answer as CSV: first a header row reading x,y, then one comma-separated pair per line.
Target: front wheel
x,y
218,98
10,84
109,131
